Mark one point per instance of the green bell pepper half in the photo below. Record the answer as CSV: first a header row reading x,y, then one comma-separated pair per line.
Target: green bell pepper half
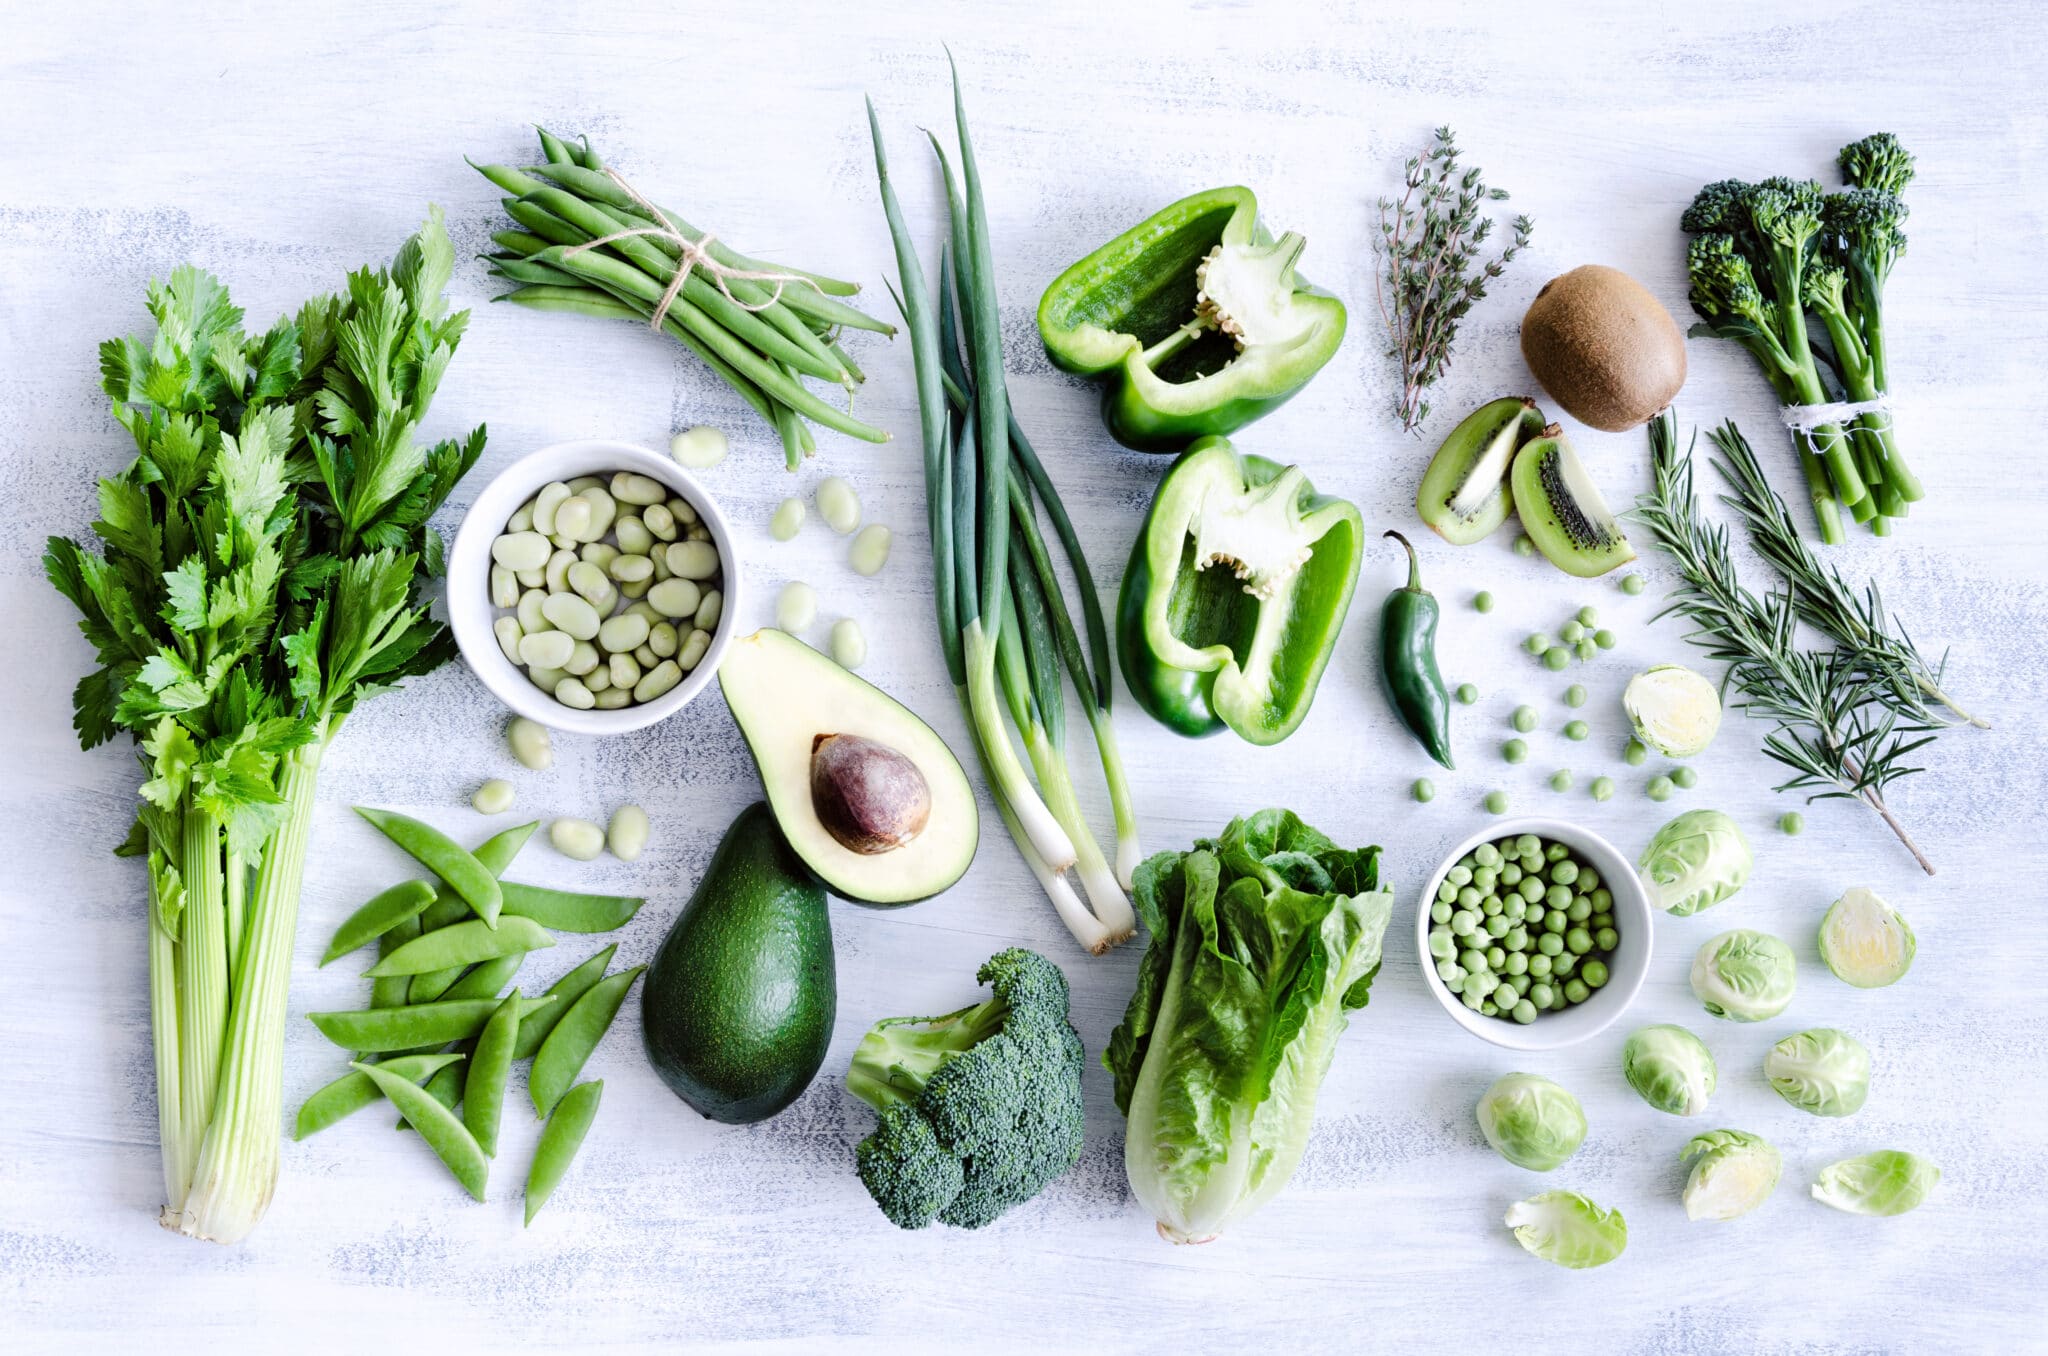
x,y
1198,315
1236,591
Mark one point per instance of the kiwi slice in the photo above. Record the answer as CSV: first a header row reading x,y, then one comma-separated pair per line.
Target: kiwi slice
x,y
1464,494
1562,511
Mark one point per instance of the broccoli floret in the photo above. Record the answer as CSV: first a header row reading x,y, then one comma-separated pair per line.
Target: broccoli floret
x,y
1878,161
979,1108
1717,207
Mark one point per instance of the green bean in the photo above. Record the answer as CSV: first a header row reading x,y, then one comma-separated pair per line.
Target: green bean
x,y
444,1134
576,1034
443,856
352,1091
565,991
483,1086
567,911
381,1030
463,944
385,911
559,1143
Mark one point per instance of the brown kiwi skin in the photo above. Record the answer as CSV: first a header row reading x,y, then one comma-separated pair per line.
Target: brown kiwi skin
x,y
1604,348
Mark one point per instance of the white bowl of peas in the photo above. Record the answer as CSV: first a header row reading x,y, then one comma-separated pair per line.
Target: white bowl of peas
x,y
1534,934
637,585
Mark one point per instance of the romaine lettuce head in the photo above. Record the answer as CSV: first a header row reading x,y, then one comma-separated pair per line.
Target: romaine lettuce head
x,y
1261,941
1695,862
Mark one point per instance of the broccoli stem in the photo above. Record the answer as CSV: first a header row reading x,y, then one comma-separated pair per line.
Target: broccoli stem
x,y
898,1057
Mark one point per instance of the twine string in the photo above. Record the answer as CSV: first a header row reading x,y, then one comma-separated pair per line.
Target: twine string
x,y
1807,421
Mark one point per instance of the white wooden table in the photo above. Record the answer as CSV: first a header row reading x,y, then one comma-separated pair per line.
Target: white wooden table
x,y
281,150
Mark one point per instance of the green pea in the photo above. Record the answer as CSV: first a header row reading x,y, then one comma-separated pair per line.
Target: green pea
x,y
1606,939
1556,657
1561,964
1496,802
1578,941
1603,899
1467,694
1585,648
1469,896
1490,906
1518,964
1423,790
379,1030
1510,875
1659,788
1487,855
1441,944
1631,584
1496,956
1514,908
442,855
1600,919
1472,959
1485,878
1565,873
1525,1011
1579,910
1482,601
1558,896
1497,926
446,1135
1517,938
1536,644
1576,730
1489,1009
1594,973
1575,695
353,1091
1603,788
1588,878
1463,921
1603,639
1528,844
1571,632
567,911
1684,778
1514,750
1523,719
1447,892
1524,546
1575,991
1561,780
1539,965
1461,874
1588,615
1440,913
1634,753
561,1056
1792,822
1550,943
490,1066
463,944
1532,887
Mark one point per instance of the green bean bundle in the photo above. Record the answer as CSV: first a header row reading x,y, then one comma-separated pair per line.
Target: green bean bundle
x,y
587,242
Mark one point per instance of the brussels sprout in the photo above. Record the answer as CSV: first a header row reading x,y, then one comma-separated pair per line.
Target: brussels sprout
x,y
1673,709
1865,942
1532,1122
1671,1068
1743,975
1735,1173
1566,1228
1695,862
1888,1182
1824,1071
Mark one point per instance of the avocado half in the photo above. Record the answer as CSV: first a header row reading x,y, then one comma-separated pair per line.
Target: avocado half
x,y
785,697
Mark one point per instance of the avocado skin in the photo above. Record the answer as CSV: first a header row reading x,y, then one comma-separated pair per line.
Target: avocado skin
x,y
737,1008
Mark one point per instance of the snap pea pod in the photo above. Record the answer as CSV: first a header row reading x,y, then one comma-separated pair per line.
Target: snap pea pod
x,y
444,1134
487,979
352,1091
496,853
566,911
565,991
443,856
562,1055
559,1143
445,1086
463,944
384,911
391,993
483,1086
378,1030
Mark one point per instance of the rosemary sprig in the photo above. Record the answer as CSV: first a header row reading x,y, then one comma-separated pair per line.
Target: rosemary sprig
x,y
1824,600
1428,243
1835,728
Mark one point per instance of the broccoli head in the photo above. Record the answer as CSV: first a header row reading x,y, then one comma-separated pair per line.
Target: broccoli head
x,y
1717,207
1878,161
980,1108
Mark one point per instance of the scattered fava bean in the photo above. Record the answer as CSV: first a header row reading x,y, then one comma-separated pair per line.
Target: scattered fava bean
x,y
658,680
1424,790
494,797
626,836
694,647
787,520
1632,584
709,611
571,615
504,587
508,631
645,657
1634,752
695,560
633,537
599,679
614,699
699,447
1792,823
796,606
530,743
1561,780
1524,546
661,639
1575,695
632,569
592,585
1524,718
637,490
1603,639
624,633
1537,644
574,517
520,550
623,671
1496,802
582,659
521,519
556,577
1514,751
547,649
1684,778
1482,601
1556,657
1571,632
838,505
849,645
577,838
659,521
1575,729
1467,694
571,693
1659,788
870,550
545,503
676,597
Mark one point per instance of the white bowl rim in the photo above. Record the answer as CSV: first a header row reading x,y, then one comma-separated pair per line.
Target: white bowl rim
x,y
470,613
1604,1008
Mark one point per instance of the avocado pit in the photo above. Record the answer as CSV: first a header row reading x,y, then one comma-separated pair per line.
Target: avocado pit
x,y
869,797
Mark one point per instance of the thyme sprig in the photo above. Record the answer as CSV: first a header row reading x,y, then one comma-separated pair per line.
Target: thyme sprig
x,y
1429,241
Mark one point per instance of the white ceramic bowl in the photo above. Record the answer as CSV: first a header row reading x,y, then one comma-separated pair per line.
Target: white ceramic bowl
x,y
470,612
1627,967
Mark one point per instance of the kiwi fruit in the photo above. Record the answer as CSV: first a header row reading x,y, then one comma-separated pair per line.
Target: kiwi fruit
x,y
1562,511
1603,347
1464,494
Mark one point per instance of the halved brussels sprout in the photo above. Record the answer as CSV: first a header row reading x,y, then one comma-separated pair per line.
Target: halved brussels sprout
x,y
1865,942
1823,1070
1695,862
1530,1121
1888,1182
1672,1069
1674,710
1735,1174
1566,1228
1744,975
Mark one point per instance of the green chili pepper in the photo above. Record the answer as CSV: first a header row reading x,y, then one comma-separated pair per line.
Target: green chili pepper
x,y
1408,661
